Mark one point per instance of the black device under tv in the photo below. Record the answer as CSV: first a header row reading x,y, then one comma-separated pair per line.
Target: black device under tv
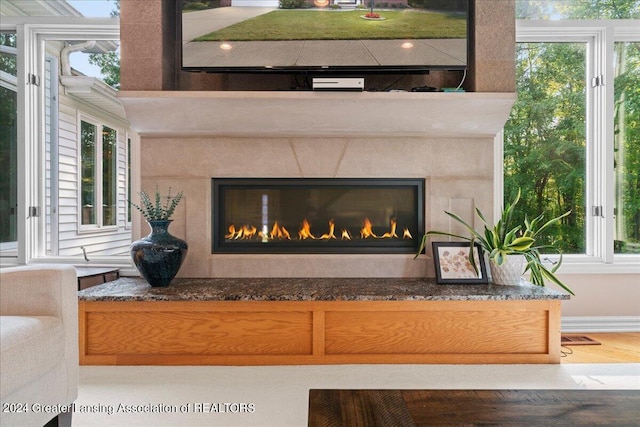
x,y
325,37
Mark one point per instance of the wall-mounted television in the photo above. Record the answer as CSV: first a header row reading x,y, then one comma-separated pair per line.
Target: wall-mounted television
x,y
343,36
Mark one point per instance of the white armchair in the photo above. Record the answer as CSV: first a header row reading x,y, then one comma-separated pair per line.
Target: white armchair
x,y
38,345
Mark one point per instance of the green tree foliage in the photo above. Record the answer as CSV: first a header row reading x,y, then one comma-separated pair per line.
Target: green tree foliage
x,y
191,5
109,62
8,141
8,61
583,9
545,138
601,9
627,146
453,5
291,4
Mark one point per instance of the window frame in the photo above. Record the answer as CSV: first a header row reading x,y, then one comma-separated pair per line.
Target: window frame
x,y
32,34
599,37
9,82
128,138
99,175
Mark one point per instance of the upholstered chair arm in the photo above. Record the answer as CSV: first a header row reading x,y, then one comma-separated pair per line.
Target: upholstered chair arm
x,y
39,290
46,290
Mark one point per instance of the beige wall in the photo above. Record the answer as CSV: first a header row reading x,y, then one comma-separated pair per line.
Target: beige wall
x,y
602,295
452,182
493,55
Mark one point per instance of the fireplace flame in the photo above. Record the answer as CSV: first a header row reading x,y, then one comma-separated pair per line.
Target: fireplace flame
x,y
305,231
367,230
329,235
392,231
232,232
406,234
246,232
278,232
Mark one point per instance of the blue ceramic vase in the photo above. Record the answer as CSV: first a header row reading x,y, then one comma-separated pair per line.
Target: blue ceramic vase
x,y
159,256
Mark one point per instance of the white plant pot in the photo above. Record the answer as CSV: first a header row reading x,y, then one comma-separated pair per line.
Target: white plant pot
x,y
510,272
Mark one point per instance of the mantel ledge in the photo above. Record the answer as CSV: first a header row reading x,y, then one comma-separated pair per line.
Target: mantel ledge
x,y
284,113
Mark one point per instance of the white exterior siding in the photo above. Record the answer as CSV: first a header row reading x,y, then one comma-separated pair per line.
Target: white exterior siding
x,y
101,242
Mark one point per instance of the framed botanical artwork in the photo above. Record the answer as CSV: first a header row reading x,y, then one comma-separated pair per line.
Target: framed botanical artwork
x,y
452,263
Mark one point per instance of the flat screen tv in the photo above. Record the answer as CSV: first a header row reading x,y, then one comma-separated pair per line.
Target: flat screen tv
x,y
387,36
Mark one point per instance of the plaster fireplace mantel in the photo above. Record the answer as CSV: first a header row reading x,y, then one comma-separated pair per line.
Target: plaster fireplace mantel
x,y
188,138
262,113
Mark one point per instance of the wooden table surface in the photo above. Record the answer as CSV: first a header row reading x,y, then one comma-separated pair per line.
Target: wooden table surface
x,y
408,408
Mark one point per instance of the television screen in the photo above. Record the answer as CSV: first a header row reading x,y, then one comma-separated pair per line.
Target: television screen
x,y
324,35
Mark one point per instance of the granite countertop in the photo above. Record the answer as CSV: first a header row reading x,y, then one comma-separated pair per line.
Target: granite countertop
x,y
311,289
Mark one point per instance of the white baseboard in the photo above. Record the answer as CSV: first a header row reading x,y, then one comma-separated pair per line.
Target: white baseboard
x,y
600,324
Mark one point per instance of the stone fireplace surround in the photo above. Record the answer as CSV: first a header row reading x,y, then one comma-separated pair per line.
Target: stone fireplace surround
x,y
194,126
186,138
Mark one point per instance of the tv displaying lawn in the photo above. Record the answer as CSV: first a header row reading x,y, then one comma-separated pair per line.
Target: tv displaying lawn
x,y
342,34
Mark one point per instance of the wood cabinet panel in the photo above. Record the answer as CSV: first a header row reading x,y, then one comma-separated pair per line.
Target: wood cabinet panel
x,y
454,332
198,333
318,332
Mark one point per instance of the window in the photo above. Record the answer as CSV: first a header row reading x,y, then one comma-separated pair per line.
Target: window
x,y
626,147
572,141
98,178
109,176
89,176
545,139
8,145
48,195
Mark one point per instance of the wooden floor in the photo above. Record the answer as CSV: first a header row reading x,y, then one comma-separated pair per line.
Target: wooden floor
x,y
615,348
413,408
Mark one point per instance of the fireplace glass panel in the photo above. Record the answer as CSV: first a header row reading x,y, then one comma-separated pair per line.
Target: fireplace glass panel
x,y
317,215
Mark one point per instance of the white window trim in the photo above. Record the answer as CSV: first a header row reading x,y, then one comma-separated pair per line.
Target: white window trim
x,y
98,226
129,151
32,33
600,36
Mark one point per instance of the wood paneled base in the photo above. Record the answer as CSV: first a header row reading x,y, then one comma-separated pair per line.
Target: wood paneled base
x,y
318,332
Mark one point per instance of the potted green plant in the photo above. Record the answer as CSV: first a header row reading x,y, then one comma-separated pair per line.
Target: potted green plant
x,y
503,240
158,210
158,256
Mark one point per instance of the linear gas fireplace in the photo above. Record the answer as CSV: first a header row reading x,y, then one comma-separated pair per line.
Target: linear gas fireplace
x,y
317,215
